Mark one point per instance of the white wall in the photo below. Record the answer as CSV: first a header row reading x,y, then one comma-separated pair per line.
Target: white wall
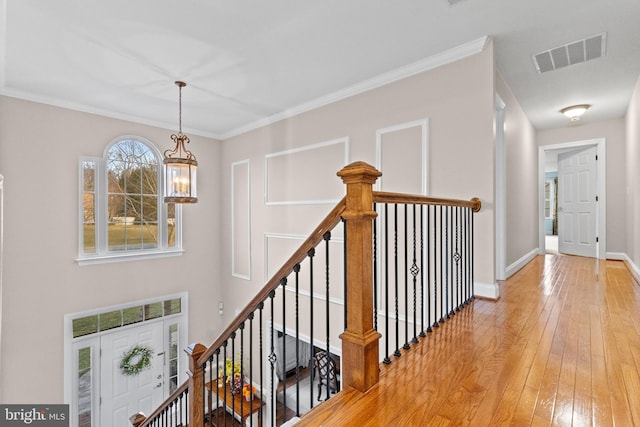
x,y
40,147
521,179
632,181
458,101
614,133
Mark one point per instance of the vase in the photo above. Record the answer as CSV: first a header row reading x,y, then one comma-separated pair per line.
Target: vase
x,y
249,398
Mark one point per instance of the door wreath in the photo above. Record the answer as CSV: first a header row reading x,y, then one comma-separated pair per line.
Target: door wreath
x,y
136,360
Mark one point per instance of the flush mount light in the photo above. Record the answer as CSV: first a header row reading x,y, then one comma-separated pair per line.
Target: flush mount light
x,y
574,112
180,166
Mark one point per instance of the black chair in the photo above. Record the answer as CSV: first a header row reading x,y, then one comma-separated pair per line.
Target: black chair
x,y
325,366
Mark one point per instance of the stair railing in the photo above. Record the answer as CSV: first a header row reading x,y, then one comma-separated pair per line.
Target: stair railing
x,y
379,296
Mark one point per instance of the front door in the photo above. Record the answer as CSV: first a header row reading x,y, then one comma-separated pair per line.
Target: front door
x,y
577,202
125,392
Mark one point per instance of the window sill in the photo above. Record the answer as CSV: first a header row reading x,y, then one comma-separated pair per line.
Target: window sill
x,y
128,256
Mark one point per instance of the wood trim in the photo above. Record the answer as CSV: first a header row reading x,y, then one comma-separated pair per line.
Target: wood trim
x,y
385,197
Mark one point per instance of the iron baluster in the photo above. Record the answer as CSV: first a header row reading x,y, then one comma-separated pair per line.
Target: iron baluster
x,y
375,268
344,280
422,237
260,353
327,237
311,254
406,345
396,353
296,270
386,360
283,283
443,291
272,355
251,317
414,273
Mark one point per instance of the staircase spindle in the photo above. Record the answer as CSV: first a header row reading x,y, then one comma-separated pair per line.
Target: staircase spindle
x,y
396,353
327,238
386,360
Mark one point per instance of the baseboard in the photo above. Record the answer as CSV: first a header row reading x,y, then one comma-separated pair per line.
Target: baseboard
x,y
617,256
513,268
487,290
633,268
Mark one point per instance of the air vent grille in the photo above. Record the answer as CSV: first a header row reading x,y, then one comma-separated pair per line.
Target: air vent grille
x,y
572,53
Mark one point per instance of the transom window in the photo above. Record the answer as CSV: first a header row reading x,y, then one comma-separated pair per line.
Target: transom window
x,y
123,214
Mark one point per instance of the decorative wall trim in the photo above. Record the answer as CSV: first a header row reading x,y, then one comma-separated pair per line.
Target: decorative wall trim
x,y
237,218
513,268
343,140
434,61
633,268
423,124
487,290
320,296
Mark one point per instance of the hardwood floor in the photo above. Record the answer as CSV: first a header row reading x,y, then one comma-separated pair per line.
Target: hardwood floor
x,y
561,347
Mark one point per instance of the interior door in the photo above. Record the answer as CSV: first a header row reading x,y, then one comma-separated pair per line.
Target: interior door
x,y
125,395
577,206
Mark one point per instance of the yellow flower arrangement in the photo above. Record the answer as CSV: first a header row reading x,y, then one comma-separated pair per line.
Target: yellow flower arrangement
x,y
228,368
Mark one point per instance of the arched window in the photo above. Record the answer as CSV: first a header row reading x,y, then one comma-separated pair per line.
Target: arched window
x,y
122,210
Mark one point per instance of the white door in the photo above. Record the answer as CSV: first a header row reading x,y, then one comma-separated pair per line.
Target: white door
x,y
577,206
125,395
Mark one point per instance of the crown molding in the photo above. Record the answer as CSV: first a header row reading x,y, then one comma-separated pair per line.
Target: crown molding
x,y
443,58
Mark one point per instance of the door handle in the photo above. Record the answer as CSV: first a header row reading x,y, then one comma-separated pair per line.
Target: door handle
x,y
158,385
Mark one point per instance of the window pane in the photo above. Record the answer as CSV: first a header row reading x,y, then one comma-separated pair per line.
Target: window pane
x,y
152,311
172,306
88,176
132,315
110,320
171,225
173,357
84,387
89,238
85,326
89,207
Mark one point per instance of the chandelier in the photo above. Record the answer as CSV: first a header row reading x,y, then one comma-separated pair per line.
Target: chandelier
x,y
180,166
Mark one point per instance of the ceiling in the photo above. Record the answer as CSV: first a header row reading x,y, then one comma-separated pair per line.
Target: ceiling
x,y
249,62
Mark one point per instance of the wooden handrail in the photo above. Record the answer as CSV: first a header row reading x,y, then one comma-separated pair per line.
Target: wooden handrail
x,y
327,224
385,197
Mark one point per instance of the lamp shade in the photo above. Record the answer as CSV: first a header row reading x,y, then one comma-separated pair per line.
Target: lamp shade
x,y
180,180
574,112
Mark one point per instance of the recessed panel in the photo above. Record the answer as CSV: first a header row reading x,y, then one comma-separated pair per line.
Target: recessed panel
x,y
241,219
584,228
306,175
567,235
402,156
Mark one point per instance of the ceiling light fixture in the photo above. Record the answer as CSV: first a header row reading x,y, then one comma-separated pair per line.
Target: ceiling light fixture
x,y
180,171
574,112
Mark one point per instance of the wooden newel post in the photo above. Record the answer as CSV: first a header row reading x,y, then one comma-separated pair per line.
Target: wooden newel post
x,y
196,385
359,341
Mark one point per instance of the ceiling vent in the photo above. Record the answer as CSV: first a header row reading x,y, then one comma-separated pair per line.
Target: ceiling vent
x,y
571,53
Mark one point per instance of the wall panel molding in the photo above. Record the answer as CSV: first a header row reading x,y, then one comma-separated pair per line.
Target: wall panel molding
x,y
422,152
314,173
241,219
